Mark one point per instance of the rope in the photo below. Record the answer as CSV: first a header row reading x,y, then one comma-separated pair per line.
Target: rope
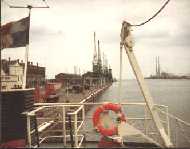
x,y
143,23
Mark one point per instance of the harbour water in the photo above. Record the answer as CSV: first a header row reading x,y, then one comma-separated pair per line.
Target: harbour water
x,y
173,93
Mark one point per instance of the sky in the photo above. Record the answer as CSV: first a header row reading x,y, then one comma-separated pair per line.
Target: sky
x,y
61,37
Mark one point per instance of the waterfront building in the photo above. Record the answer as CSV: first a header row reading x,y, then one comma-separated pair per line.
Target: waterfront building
x,y
68,79
12,74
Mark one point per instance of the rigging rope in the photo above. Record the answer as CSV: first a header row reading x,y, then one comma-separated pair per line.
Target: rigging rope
x,y
153,15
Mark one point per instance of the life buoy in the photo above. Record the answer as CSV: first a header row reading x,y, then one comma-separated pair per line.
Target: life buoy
x,y
98,124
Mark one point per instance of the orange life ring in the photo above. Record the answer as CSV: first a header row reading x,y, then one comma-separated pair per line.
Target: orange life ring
x,y
96,118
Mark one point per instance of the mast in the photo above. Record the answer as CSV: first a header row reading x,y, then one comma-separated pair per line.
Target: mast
x,y
27,51
0,81
126,28
0,57
29,7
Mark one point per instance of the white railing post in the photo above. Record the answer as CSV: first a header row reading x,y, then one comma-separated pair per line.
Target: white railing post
x,y
83,113
75,130
168,122
176,133
145,120
64,127
28,131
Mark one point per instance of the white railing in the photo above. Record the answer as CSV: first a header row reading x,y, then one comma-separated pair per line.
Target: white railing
x,y
56,114
62,111
51,120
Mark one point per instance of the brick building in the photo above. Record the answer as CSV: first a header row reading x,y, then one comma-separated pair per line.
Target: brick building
x,y
68,79
12,74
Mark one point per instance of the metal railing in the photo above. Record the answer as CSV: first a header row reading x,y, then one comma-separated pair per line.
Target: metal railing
x,y
53,124
48,123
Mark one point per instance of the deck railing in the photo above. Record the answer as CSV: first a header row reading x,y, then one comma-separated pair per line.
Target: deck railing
x,y
56,115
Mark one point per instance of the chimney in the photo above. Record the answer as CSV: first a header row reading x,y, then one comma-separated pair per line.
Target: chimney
x,y
9,59
18,61
37,64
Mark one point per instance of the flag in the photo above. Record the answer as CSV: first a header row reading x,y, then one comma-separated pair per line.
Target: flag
x,y
15,34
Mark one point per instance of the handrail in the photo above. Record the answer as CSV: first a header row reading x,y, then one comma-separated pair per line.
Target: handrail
x,y
46,105
80,106
174,117
75,112
93,103
87,103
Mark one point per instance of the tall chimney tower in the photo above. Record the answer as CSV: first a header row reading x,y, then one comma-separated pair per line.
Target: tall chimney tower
x,y
158,66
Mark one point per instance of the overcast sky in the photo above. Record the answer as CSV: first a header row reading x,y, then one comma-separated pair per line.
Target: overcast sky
x,y
62,36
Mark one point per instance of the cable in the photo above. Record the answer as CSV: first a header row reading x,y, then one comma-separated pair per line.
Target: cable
x,y
153,15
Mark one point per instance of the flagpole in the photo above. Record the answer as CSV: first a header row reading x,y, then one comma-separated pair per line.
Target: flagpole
x,y
27,46
26,52
0,84
0,57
